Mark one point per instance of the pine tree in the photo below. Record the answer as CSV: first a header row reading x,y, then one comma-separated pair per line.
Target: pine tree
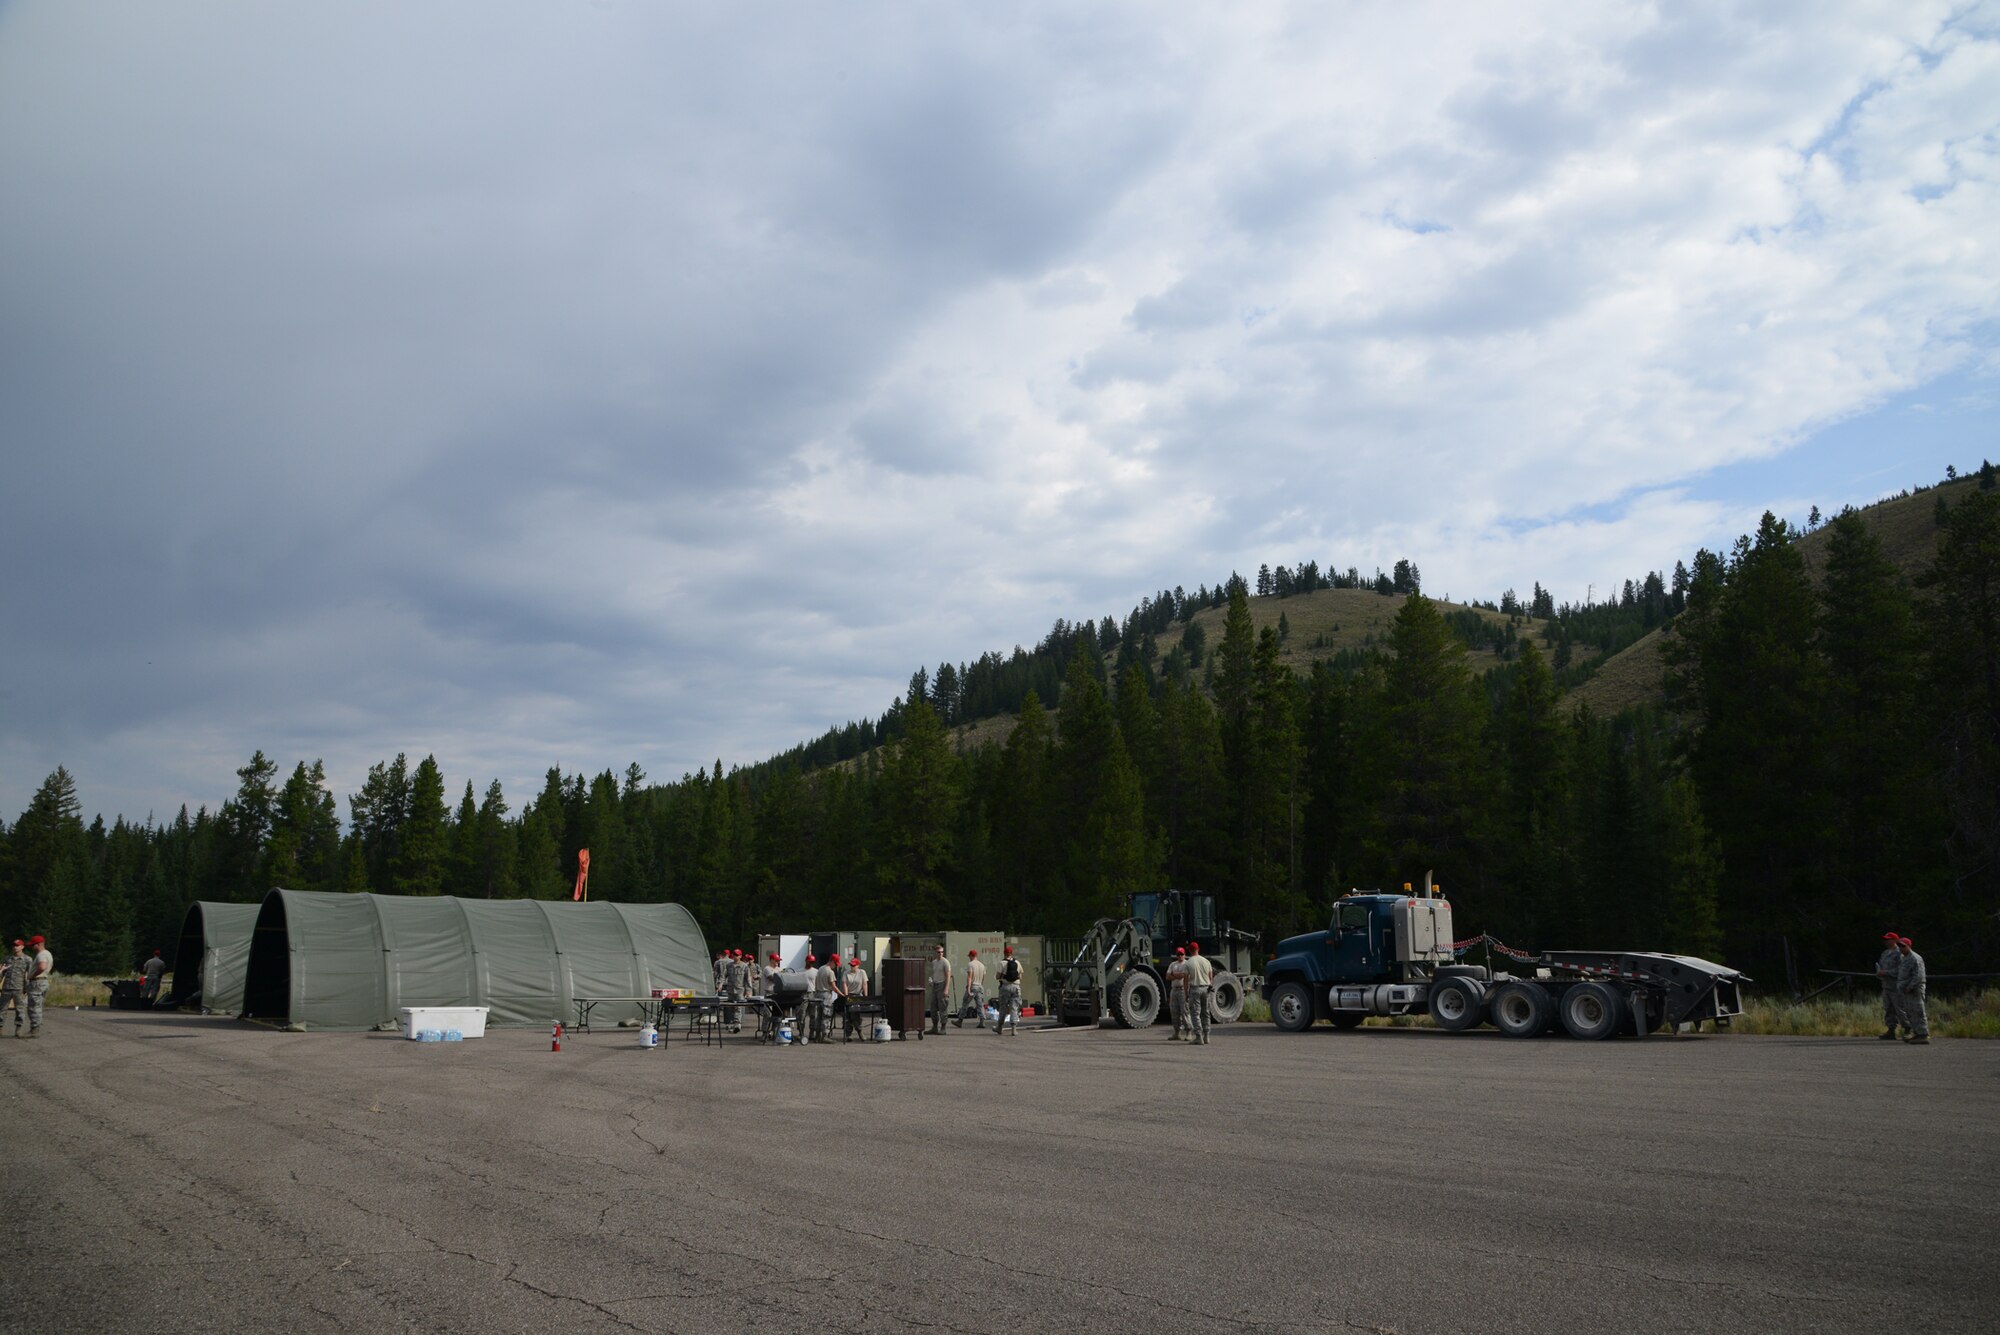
x,y
47,850
494,860
920,796
425,845
1430,731
246,822
1022,845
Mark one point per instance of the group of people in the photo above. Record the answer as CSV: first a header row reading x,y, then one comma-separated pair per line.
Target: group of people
x,y
1007,1008
1189,979
1901,970
24,985
744,984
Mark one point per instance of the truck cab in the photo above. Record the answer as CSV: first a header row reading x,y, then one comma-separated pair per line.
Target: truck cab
x,y
1375,957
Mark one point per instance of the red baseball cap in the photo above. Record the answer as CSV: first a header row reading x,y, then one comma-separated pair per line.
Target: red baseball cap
x,y
19,942
811,959
1901,941
774,957
1891,936
34,941
833,959
1194,947
972,954
1180,950
1009,950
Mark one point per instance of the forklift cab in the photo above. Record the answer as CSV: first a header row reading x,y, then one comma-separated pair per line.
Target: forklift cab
x,y
1173,917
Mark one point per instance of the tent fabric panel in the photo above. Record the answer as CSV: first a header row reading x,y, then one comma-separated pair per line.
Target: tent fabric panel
x,y
427,954
671,950
226,931
338,977
594,956
513,962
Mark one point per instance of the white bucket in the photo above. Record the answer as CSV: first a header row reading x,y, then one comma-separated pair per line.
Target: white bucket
x,y
649,1037
881,1029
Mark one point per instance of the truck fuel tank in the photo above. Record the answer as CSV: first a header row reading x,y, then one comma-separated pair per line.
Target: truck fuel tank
x,y
1376,999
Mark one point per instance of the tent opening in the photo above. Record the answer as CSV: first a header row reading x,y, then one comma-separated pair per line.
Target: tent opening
x,y
267,991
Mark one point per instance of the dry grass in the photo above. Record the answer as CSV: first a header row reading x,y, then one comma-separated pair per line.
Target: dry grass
x,y
1628,679
1969,1015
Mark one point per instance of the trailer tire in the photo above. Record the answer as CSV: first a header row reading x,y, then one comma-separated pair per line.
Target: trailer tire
x,y
1135,1000
1476,972
1457,1003
1225,998
1292,1007
1591,1010
1520,1010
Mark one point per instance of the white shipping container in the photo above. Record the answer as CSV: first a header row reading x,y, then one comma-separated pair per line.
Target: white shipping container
x,y
469,1021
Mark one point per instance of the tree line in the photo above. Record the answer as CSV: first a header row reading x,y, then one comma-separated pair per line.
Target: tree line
x,y
1826,763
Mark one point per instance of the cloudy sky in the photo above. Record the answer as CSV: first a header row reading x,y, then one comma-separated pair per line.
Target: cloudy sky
x,y
577,384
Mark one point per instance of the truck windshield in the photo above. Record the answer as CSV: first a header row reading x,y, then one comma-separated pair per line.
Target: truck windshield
x,y
1353,918
1204,916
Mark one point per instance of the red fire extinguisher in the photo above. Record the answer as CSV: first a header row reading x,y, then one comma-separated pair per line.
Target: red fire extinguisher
x,y
555,1037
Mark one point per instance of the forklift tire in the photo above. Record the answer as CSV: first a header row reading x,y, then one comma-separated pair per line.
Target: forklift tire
x,y
1520,1010
1591,1010
1225,998
1292,1008
1135,1000
1457,1003
1349,1019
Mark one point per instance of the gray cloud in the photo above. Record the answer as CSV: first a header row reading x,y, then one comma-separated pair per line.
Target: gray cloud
x,y
568,386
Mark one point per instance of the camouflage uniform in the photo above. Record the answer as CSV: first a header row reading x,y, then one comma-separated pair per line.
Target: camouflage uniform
x,y
1200,973
14,970
1010,997
1910,981
975,993
940,981
45,964
153,969
1889,969
1177,998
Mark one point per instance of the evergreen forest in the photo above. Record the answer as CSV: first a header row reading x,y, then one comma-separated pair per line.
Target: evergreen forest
x,y
1820,761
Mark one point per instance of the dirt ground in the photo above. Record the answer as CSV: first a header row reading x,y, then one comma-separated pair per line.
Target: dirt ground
x,y
201,1174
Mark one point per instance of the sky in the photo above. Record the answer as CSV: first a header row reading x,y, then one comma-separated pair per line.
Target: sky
x,y
589,384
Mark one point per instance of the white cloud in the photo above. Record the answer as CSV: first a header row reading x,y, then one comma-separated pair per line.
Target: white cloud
x,y
572,386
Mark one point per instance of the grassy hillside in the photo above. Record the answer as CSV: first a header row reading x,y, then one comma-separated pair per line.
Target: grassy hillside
x,y
1907,528
1318,625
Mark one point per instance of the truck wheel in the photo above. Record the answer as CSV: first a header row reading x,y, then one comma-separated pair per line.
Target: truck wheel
x,y
1135,1000
1457,1003
1476,972
1225,998
1292,1007
1591,1010
1520,1010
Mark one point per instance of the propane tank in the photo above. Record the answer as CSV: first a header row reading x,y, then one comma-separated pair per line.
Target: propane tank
x,y
881,1029
555,1036
785,1030
649,1037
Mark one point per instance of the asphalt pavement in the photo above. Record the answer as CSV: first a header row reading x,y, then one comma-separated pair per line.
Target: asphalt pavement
x,y
195,1174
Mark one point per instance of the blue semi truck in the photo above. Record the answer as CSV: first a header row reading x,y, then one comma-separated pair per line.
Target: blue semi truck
x,y
1393,955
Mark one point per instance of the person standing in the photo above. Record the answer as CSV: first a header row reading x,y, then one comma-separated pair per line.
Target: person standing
x,y
14,971
855,982
721,971
940,981
1910,981
975,991
1010,994
769,1019
150,973
1177,992
1889,969
827,986
45,965
1200,975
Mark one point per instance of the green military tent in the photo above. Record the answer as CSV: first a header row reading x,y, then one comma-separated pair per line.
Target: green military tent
x,y
213,953
338,961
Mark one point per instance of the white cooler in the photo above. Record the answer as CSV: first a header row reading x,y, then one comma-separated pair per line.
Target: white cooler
x,y
469,1021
